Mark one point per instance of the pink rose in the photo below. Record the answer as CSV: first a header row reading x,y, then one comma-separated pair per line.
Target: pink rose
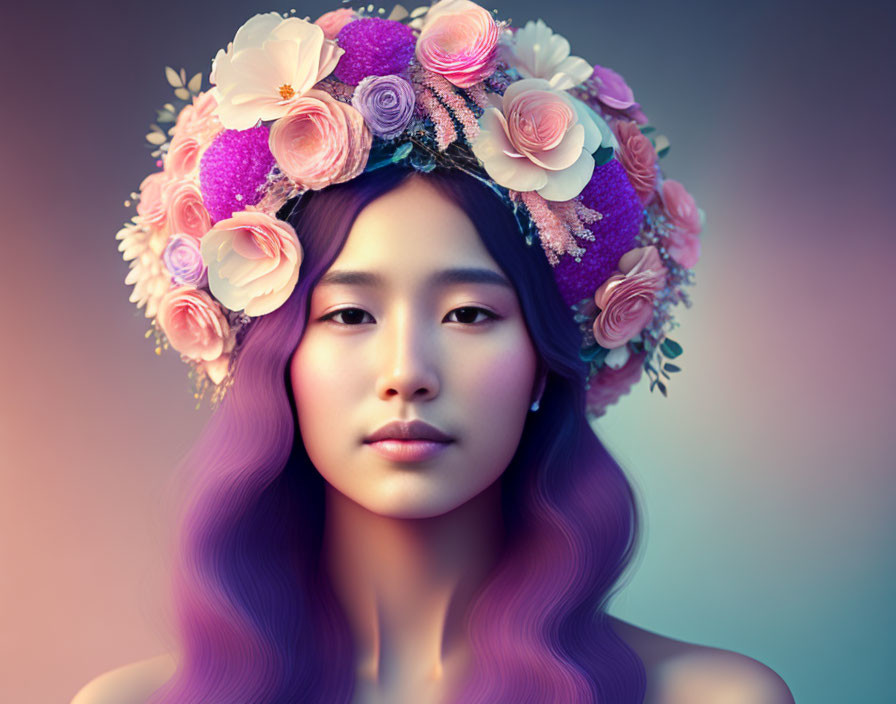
x,y
199,117
150,210
331,22
638,157
682,242
182,156
683,247
680,207
609,384
253,261
320,141
186,211
458,40
626,298
539,140
194,324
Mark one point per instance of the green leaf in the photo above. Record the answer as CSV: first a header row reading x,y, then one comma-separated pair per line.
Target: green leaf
x,y
662,387
670,348
671,367
402,152
603,155
647,129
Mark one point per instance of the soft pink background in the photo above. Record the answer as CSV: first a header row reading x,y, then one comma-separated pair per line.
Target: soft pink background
x,y
767,475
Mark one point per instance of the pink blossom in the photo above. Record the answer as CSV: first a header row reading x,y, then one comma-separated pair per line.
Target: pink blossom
x,y
331,22
609,384
186,213
194,324
626,298
458,40
320,141
638,157
150,210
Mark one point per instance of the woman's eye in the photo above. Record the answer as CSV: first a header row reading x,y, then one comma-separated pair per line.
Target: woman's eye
x,y
470,313
351,314
466,314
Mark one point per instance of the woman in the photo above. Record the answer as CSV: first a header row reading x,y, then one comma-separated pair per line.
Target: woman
x,y
400,498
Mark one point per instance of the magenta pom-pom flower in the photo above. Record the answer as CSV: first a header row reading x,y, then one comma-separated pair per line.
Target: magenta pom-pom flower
x,y
233,170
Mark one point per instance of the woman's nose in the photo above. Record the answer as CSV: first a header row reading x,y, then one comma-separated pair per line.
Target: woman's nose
x,y
408,364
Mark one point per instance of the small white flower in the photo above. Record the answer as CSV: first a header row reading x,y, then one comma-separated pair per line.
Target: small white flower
x,y
617,357
536,52
143,248
270,62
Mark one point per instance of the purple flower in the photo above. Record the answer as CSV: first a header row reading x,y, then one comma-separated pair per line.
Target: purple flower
x,y
386,102
184,261
612,90
373,47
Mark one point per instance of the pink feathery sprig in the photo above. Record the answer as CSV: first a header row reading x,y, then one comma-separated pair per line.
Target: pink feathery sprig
x,y
558,223
445,132
450,98
478,95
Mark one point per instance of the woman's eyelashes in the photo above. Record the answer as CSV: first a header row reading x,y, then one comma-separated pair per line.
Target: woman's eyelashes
x,y
467,315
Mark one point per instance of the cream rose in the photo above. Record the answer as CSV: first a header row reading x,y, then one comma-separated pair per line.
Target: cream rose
x,y
185,210
538,138
626,298
458,40
194,324
320,141
253,261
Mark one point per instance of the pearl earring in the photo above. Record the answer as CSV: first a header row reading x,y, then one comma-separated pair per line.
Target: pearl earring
x,y
534,406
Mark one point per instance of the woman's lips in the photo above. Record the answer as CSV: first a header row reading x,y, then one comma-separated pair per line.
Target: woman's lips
x,y
408,450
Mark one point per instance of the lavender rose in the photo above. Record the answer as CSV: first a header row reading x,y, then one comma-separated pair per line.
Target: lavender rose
x,y
183,260
386,102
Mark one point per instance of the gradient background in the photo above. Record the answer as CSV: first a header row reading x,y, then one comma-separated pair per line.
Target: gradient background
x,y
767,475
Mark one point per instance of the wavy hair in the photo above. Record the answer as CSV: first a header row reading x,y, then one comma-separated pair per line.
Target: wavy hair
x,y
256,618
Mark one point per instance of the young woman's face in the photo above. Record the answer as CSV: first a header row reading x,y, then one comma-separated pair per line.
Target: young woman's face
x,y
391,337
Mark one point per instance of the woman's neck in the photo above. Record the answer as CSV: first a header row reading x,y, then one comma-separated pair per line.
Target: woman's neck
x,y
405,586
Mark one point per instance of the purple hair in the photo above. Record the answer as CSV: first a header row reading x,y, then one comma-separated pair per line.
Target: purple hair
x,y
257,618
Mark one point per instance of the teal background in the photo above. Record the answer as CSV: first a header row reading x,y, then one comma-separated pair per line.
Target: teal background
x,y
766,477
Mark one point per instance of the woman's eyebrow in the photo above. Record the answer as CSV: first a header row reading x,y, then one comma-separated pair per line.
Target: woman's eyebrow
x,y
445,277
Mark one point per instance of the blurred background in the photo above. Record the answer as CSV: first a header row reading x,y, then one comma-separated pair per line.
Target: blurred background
x,y
766,477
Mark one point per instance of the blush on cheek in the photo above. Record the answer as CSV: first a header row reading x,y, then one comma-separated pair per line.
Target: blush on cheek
x,y
503,381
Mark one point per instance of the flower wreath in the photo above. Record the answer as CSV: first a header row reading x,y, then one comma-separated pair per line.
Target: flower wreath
x,y
297,106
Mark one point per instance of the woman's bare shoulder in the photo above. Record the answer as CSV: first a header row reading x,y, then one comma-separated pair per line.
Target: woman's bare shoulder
x,y
686,673
128,684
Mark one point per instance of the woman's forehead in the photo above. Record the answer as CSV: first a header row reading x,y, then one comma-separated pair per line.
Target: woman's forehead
x,y
416,228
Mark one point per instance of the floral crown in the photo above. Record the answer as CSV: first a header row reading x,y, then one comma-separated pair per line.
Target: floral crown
x,y
297,106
